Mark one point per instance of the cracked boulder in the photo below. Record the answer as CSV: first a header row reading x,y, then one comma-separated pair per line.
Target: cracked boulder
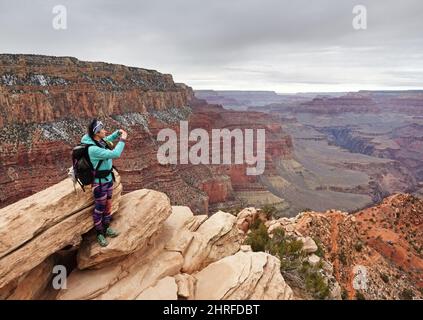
x,y
242,276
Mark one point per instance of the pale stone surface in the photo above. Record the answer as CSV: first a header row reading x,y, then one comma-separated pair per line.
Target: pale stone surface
x,y
31,285
140,215
196,222
327,267
186,285
313,259
246,248
181,215
336,292
165,289
309,246
245,218
289,228
252,275
87,284
138,270
216,238
58,217
274,226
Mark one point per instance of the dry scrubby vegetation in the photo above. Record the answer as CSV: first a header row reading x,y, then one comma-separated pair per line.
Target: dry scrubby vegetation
x,y
293,259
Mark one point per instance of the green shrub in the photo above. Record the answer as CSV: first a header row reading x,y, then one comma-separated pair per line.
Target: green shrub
x,y
406,294
384,277
342,258
358,246
359,296
344,294
320,252
314,281
269,211
258,238
289,251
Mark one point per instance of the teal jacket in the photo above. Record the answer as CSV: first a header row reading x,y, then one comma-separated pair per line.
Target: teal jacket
x,y
96,153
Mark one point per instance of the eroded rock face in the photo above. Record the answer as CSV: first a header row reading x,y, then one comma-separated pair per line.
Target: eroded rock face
x,y
162,252
31,285
165,268
79,88
141,213
43,224
385,240
65,93
165,289
47,103
251,275
169,253
186,285
245,218
309,245
216,238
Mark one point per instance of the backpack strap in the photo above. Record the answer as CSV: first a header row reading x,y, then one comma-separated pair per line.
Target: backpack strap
x,y
96,169
87,156
113,174
106,146
82,186
93,170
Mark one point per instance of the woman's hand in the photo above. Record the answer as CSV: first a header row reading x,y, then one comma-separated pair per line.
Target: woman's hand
x,y
123,134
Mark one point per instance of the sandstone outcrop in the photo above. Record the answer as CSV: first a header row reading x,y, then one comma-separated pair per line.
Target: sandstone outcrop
x,y
38,226
245,275
214,239
141,213
166,266
165,255
31,285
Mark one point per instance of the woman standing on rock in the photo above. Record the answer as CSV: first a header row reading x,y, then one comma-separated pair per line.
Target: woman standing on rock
x,y
101,156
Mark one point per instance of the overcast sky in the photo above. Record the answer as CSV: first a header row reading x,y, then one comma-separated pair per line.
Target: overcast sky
x,y
285,46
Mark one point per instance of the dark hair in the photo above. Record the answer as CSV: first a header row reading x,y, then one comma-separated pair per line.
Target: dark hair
x,y
91,127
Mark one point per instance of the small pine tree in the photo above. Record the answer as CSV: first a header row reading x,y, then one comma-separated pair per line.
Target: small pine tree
x,y
269,211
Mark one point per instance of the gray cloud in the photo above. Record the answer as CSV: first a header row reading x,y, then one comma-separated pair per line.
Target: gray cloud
x,y
233,44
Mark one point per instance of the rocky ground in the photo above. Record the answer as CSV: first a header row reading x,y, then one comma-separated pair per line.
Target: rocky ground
x,y
385,239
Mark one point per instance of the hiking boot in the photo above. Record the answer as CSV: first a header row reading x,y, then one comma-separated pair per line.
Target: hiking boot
x,y
111,233
101,239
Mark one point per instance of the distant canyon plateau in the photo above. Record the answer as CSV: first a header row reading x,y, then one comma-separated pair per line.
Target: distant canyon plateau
x,y
349,150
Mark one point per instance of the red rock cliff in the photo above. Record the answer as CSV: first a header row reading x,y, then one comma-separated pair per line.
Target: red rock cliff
x,y
47,102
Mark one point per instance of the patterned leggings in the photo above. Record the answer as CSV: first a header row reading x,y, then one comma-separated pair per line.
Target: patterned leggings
x,y
102,213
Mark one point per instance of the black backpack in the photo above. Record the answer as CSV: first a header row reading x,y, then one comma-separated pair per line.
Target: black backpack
x,y
83,170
